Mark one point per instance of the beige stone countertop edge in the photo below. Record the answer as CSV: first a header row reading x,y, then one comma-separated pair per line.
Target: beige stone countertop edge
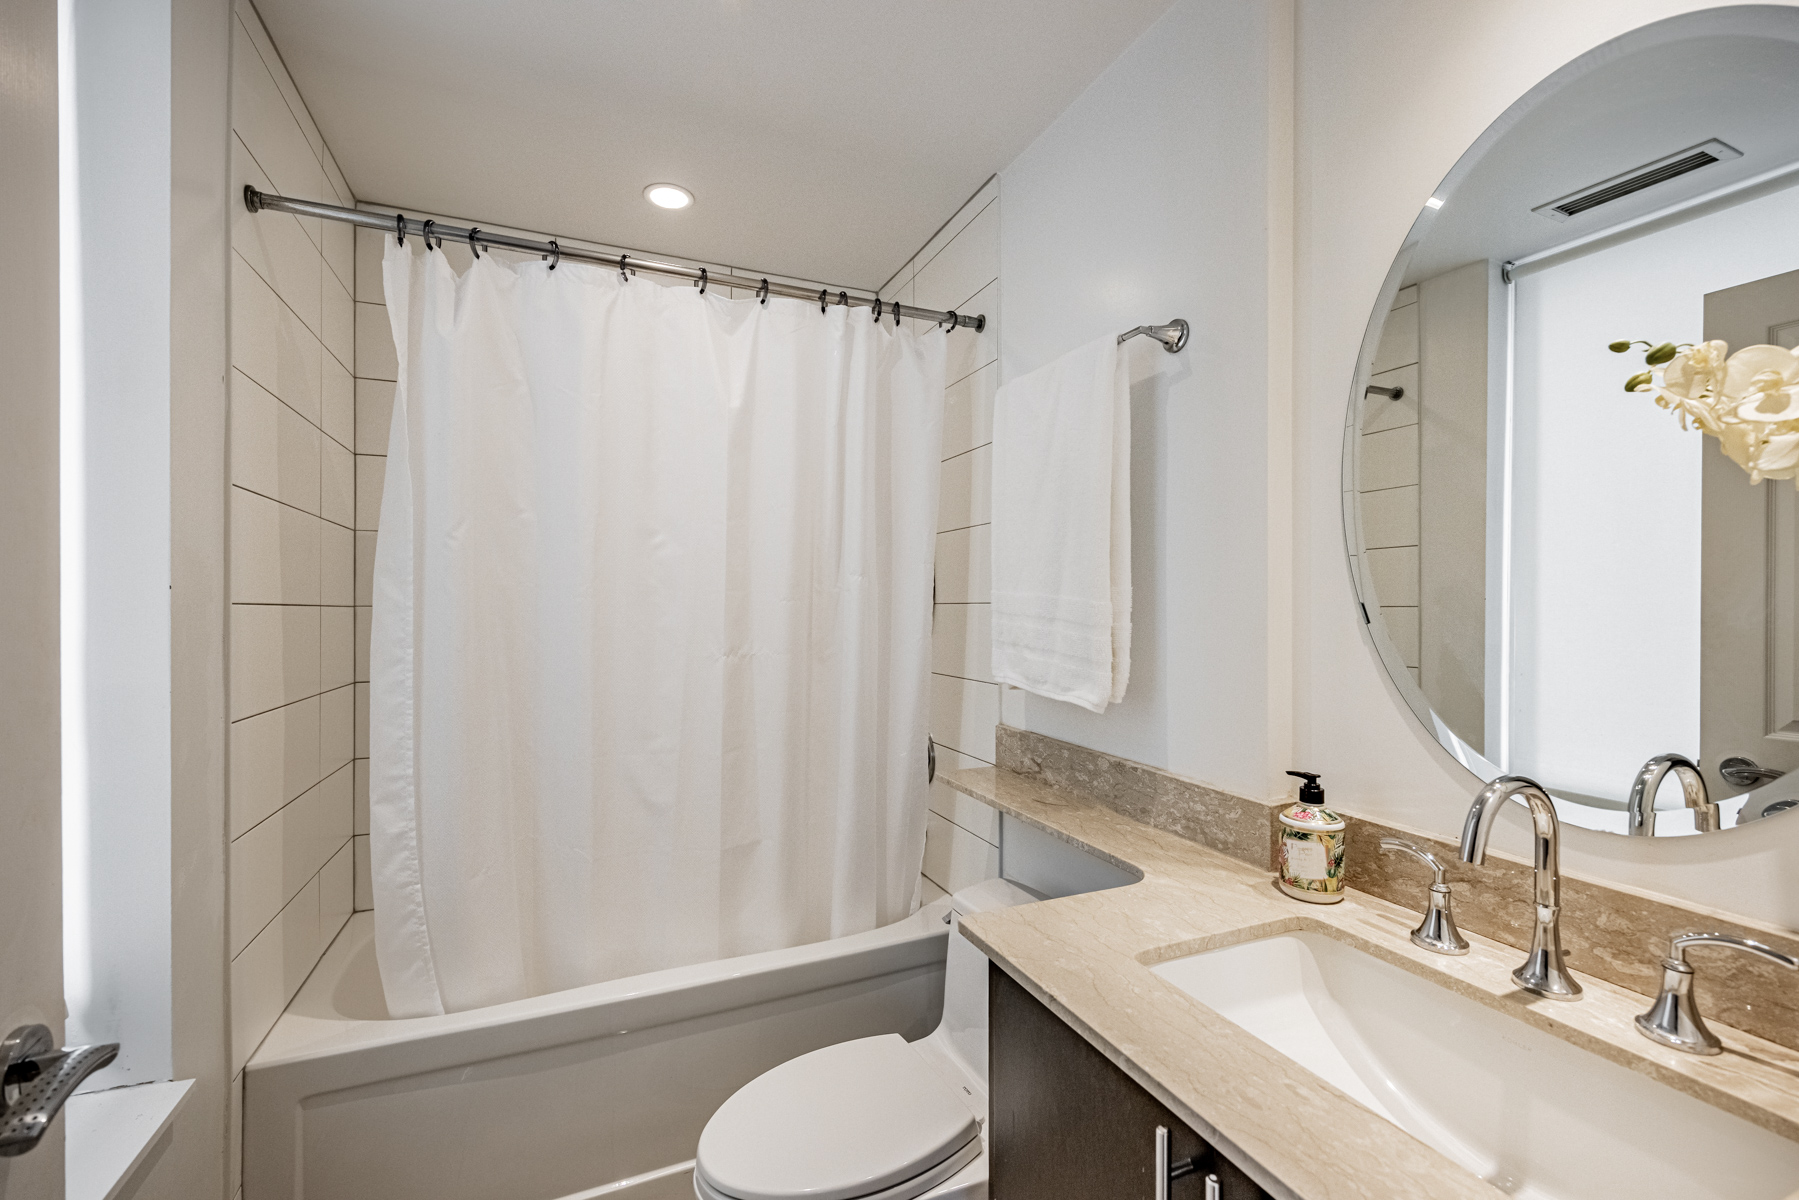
x,y
1087,957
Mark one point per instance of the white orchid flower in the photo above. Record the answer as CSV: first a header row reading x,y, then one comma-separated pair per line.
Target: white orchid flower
x,y
1749,401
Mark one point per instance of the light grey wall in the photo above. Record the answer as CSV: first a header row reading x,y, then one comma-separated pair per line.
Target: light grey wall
x,y
1159,194
1453,360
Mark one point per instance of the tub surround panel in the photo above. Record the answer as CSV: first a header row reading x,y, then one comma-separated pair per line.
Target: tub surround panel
x,y
1615,933
1087,957
292,551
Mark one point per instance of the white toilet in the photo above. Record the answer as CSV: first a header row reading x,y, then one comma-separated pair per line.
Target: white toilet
x,y
879,1118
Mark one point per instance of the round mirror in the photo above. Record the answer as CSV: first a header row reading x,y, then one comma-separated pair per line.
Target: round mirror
x,y
1593,586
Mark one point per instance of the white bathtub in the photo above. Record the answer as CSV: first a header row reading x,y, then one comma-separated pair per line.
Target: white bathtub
x,y
596,1091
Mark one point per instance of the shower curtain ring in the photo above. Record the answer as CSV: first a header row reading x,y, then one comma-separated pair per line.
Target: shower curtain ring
x,y
954,321
555,254
843,298
762,293
471,241
896,314
400,227
624,272
702,281
822,293
877,308
426,234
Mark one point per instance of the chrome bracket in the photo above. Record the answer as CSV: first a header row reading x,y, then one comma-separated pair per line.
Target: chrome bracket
x,y
1173,335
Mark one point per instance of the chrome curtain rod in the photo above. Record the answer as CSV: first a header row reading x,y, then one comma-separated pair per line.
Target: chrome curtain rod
x,y
436,232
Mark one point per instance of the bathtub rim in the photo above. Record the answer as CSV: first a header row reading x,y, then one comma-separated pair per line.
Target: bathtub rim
x,y
301,1035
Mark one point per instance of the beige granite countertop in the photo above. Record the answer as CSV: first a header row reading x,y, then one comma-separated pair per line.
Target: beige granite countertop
x,y
1088,958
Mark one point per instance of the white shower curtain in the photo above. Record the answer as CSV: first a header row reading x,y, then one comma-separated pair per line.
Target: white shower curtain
x,y
651,634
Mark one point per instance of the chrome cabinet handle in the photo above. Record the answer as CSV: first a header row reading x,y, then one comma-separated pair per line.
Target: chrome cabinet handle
x,y
38,1081
1437,931
1674,1020
1168,1171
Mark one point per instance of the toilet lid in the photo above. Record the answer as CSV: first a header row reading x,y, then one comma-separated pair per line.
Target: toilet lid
x,y
851,1120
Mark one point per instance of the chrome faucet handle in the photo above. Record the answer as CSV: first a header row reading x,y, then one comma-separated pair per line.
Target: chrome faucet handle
x,y
1674,1020
1437,931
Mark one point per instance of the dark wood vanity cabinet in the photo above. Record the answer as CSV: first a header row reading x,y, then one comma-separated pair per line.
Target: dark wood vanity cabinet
x,y
1068,1124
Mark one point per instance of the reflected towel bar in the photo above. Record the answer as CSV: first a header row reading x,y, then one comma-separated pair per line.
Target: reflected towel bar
x,y
1391,393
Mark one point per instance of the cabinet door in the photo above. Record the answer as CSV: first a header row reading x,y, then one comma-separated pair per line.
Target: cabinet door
x,y
1067,1124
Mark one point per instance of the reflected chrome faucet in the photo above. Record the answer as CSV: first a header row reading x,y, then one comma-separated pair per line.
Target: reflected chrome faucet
x,y
1639,812
1542,972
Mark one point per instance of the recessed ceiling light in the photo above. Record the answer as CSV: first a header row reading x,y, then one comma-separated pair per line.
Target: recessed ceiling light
x,y
667,195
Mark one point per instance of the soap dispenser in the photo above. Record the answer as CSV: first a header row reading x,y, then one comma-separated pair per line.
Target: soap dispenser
x,y
1311,855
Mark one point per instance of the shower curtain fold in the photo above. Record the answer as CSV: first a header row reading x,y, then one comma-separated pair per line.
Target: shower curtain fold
x,y
651,630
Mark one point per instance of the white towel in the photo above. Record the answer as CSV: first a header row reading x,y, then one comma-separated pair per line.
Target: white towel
x,y
1062,528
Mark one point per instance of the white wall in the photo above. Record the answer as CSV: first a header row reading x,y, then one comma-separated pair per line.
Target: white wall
x,y
292,551
1634,556
1387,474
1369,156
115,542
1162,193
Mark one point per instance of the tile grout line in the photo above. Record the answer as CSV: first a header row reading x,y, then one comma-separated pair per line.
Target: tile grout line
x,y
303,699
310,788
264,927
965,829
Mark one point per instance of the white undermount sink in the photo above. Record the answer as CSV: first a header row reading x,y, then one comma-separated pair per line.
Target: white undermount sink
x,y
1524,1110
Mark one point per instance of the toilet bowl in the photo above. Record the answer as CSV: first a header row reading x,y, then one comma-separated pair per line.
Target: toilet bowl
x,y
878,1118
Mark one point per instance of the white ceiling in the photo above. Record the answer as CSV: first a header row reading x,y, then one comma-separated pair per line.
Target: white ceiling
x,y
823,139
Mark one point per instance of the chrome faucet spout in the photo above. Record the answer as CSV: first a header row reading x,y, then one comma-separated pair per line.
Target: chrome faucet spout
x,y
1543,972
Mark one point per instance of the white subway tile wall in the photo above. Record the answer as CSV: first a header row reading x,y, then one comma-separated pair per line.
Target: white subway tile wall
x,y
292,550
959,270
1387,477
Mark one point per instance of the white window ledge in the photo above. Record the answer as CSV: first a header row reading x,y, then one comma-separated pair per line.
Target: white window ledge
x,y
109,1133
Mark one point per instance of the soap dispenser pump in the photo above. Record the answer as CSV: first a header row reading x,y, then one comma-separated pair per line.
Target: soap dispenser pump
x,y
1311,854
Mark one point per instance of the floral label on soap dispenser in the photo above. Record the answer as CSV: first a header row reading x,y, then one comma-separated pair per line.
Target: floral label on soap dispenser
x,y
1311,850
1312,862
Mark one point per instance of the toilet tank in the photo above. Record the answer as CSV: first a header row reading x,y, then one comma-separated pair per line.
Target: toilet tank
x,y
965,975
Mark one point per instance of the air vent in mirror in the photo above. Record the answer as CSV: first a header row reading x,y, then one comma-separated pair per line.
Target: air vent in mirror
x,y
1635,180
